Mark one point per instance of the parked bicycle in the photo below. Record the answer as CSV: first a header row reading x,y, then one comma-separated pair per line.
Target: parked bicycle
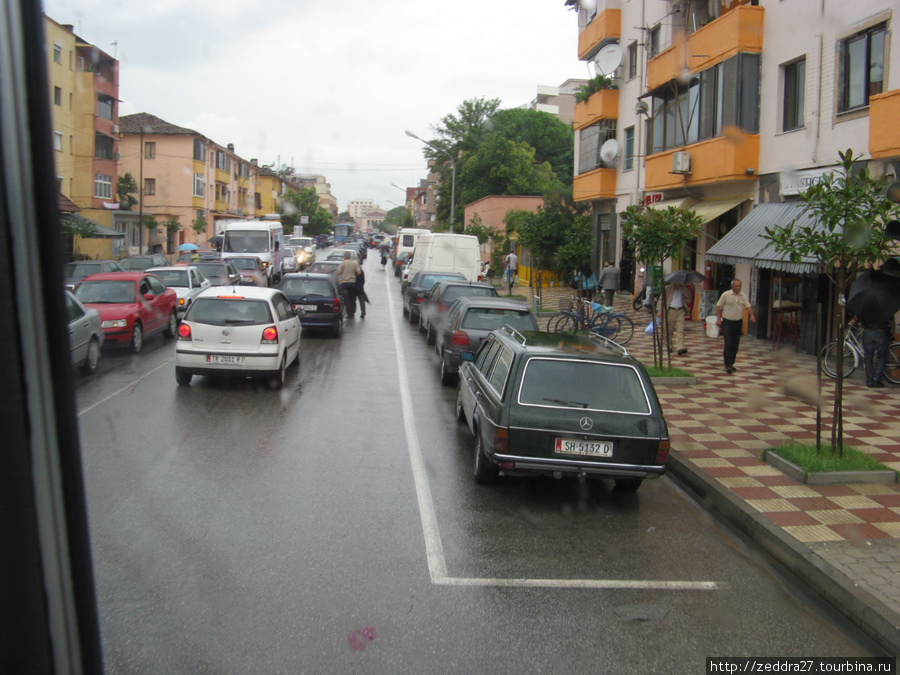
x,y
583,316
853,356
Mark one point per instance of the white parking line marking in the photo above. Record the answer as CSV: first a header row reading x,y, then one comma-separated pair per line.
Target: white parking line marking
x,y
434,550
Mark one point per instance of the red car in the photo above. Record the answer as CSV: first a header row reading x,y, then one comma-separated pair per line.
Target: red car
x,y
132,306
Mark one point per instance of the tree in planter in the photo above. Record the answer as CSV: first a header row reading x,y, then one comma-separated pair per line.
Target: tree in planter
x,y
172,226
593,86
125,187
78,229
654,235
851,210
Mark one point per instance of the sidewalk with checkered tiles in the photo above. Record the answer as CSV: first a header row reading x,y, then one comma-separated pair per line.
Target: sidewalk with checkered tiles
x,y
722,423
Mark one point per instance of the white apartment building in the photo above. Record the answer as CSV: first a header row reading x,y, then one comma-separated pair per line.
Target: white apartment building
x,y
358,208
731,108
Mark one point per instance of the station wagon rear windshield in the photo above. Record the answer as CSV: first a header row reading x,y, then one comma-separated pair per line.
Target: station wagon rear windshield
x,y
229,311
583,385
454,292
489,318
174,278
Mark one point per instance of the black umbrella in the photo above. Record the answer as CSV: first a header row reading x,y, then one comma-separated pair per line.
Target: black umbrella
x,y
874,296
215,241
685,277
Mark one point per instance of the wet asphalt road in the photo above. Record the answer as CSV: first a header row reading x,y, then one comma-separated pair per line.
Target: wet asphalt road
x,y
242,530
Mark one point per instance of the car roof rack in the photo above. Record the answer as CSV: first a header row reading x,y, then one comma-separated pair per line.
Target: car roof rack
x,y
514,334
615,346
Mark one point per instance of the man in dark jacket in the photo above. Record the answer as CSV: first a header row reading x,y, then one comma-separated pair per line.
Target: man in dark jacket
x,y
361,292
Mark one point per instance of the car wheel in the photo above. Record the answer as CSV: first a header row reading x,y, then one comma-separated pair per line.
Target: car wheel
x,y
485,472
447,378
628,484
421,323
172,326
92,360
405,311
276,379
338,329
182,378
460,412
430,336
137,338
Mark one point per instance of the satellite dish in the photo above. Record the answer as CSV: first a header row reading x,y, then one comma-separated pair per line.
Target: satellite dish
x,y
609,150
608,59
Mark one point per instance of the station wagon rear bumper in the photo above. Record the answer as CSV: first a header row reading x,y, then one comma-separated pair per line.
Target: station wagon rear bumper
x,y
533,465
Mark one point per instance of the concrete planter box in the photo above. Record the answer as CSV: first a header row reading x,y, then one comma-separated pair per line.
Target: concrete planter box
x,y
673,381
828,477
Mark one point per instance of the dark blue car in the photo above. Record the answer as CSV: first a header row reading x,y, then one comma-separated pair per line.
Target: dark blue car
x,y
316,299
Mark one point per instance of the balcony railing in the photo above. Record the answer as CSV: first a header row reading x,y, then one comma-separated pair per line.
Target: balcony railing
x,y
734,156
740,30
596,184
884,132
606,27
603,104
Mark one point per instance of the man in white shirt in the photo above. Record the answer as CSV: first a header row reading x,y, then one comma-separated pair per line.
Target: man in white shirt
x,y
676,307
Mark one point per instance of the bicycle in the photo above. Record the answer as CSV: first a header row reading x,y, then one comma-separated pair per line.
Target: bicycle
x,y
854,354
592,317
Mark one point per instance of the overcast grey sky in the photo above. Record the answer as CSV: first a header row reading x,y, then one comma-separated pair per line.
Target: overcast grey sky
x,y
327,87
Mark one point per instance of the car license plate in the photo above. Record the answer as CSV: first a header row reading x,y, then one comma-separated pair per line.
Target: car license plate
x,y
225,359
308,308
571,446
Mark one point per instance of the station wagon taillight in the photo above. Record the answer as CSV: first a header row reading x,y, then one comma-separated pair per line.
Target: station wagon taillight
x,y
270,336
501,440
335,305
460,338
662,452
184,332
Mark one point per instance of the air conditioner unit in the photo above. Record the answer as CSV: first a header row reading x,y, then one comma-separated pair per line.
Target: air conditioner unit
x,y
115,128
681,162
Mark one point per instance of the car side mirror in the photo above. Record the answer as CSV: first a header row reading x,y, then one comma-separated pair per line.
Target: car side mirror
x,y
148,297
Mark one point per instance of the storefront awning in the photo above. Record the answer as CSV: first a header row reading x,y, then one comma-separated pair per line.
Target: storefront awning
x,y
100,231
710,209
745,244
680,203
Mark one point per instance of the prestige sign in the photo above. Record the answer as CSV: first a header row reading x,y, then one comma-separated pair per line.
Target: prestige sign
x,y
795,182
652,198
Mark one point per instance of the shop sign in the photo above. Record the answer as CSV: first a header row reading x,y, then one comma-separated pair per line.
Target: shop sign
x,y
795,182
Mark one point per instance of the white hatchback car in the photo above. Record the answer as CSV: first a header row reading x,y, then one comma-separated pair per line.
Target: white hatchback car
x,y
245,331
186,281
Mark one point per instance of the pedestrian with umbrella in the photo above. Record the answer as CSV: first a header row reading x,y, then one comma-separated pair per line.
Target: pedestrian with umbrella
x,y
675,303
874,298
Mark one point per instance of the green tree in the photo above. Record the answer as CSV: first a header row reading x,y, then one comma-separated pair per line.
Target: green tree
x,y
477,228
575,253
553,140
172,225
654,235
305,203
851,210
77,228
125,187
199,225
345,217
502,167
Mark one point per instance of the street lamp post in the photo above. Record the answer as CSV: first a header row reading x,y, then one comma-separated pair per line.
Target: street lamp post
x,y
452,166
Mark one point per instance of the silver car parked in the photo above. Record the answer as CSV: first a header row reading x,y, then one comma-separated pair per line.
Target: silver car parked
x,y
85,334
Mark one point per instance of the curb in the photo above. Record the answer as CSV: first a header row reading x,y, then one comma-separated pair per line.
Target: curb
x,y
876,620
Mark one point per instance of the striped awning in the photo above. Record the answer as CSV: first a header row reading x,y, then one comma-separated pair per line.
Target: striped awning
x,y
710,209
745,244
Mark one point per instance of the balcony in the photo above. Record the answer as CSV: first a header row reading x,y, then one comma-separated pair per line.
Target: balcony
x,y
603,104
716,160
740,30
606,27
884,132
596,184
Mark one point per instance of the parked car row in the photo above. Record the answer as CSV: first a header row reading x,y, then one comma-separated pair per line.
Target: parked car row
x,y
539,403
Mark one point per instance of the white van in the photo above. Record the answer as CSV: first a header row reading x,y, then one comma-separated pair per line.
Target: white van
x,y
406,239
445,252
260,238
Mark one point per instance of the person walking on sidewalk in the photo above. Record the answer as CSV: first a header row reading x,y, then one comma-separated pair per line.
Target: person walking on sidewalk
x,y
730,316
512,267
347,272
676,307
609,281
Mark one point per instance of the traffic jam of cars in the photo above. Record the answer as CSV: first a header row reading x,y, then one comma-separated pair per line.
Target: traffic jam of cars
x,y
241,326
536,403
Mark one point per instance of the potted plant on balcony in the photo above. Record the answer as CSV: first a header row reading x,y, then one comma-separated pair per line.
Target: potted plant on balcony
x,y
593,86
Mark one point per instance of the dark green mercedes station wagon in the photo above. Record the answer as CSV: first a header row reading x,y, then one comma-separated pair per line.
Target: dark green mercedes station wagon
x,y
561,405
